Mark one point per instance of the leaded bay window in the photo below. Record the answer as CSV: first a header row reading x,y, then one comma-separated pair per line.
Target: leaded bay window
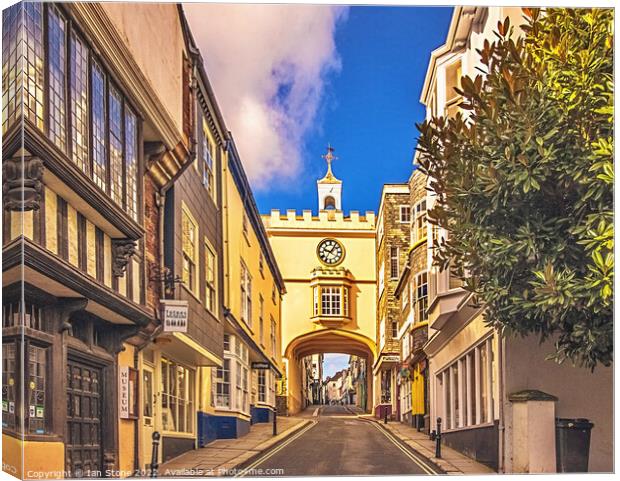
x,y
131,163
115,104
330,300
79,102
64,91
98,96
56,78
177,397
464,388
22,64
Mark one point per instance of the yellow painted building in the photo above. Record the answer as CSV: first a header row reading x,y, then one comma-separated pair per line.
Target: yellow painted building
x,y
328,266
245,387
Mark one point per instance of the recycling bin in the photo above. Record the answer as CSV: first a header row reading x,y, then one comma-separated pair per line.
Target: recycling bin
x,y
572,445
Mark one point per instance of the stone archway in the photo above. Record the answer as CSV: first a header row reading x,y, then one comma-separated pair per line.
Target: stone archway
x,y
330,340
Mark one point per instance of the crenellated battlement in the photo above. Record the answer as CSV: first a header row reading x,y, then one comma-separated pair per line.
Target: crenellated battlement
x,y
327,219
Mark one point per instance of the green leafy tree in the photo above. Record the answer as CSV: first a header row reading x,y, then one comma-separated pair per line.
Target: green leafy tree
x,y
524,181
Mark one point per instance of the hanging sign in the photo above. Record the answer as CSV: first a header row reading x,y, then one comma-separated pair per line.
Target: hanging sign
x,y
174,315
123,392
260,365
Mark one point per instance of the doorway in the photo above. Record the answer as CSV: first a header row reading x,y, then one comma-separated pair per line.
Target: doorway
x,y
83,443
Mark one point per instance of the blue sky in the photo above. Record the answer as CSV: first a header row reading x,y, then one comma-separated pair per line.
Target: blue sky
x,y
369,107
332,363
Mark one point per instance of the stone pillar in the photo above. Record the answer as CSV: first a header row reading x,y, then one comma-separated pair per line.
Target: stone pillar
x,y
533,431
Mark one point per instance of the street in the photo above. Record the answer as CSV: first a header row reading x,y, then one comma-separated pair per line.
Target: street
x,y
339,443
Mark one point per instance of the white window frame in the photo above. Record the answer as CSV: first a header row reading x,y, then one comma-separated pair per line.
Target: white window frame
x,y
246,295
189,281
210,280
274,336
419,221
463,399
421,297
188,400
208,159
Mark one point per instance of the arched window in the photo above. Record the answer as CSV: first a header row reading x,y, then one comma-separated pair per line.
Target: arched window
x,y
330,203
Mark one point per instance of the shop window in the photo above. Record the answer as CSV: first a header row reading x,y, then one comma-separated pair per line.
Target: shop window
x,y
177,397
464,389
190,250
222,398
9,385
262,386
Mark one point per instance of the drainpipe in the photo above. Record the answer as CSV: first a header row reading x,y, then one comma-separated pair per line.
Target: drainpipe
x,y
501,347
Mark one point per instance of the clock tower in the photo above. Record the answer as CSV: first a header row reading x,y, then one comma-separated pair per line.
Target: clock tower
x,y
329,187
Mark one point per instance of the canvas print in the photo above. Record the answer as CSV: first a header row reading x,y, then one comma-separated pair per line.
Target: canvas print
x,y
276,240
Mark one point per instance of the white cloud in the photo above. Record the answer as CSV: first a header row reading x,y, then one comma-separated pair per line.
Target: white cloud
x,y
268,66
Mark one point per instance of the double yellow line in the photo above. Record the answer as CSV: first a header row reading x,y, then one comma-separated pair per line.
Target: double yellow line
x,y
264,458
416,459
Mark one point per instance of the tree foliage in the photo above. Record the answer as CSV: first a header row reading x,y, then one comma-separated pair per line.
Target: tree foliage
x,y
524,181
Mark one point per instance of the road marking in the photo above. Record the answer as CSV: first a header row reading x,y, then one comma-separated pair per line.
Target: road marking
x,y
425,467
277,449
316,412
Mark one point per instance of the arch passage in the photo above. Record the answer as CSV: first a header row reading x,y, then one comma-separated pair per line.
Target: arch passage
x,y
324,341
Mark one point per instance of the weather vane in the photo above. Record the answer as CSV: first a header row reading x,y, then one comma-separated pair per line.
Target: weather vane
x,y
329,156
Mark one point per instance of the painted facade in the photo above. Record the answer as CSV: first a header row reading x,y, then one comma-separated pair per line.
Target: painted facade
x,y
330,282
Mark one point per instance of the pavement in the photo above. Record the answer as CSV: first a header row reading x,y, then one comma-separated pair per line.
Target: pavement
x,y
339,443
222,456
329,440
451,461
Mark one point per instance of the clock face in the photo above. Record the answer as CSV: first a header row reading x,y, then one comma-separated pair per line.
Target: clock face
x,y
330,252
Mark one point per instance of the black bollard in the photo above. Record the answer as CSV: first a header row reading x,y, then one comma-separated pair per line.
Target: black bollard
x,y
385,416
275,421
154,463
438,439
